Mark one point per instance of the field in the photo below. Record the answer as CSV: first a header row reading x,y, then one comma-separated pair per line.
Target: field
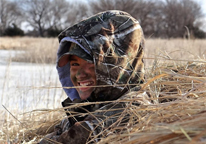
x,y
31,94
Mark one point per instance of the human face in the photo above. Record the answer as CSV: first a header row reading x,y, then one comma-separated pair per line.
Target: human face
x,y
83,75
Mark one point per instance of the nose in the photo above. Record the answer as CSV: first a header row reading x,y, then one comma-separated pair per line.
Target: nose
x,y
81,73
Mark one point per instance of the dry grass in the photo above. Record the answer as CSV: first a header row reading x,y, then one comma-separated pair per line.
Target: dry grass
x,y
176,82
25,43
177,114
174,51
34,50
43,50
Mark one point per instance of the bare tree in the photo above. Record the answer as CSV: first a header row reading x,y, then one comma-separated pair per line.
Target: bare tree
x,y
36,14
10,13
99,6
102,5
78,12
146,13
57,14
143,10
178,14
44,14
159,18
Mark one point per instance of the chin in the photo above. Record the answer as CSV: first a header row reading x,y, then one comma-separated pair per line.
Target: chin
x,y
84,96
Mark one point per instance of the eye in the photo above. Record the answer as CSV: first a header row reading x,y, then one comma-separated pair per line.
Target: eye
x,y
74,64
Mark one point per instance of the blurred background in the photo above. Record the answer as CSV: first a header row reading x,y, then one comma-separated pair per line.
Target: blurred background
x,y
158,18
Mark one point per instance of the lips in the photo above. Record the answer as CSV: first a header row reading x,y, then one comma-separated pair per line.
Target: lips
x,y
84,85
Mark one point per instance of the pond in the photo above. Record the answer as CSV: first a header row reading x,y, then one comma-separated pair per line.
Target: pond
x,y
26,86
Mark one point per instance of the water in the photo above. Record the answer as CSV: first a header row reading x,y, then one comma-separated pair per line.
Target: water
x,y
25,86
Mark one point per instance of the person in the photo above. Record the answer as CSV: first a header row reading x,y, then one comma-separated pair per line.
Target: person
x,y
99,62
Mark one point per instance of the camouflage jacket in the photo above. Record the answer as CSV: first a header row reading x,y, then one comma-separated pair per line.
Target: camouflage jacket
x,y
115,41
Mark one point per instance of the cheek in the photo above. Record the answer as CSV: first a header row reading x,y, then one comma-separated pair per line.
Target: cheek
x,y
73,79
72,76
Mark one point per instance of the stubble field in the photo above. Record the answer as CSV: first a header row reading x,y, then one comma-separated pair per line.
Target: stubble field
x,y
31,94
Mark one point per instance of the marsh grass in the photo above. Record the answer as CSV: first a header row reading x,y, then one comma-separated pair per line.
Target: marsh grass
x,y
172,51
176,85
24,43
177,112
34,50
43,50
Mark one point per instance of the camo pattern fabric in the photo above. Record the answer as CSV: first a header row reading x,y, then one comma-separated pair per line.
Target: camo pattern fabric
x,y
115,41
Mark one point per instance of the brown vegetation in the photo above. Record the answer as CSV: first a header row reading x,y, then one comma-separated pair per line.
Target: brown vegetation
x,y
176,83
43,50
165,19
35,50
177,115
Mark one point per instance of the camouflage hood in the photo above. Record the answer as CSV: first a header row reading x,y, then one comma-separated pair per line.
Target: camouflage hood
x,y
115,42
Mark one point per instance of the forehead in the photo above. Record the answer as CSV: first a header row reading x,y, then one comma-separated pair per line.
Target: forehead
x,y
74,58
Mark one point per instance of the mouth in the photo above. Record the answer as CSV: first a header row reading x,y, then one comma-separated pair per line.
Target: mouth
x,y
85,85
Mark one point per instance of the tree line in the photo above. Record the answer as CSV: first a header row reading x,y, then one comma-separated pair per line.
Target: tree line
x,y
158,18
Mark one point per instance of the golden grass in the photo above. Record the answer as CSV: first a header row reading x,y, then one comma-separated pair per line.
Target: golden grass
x,y
43,50
25,43
176,84
177,113
35,50
174,50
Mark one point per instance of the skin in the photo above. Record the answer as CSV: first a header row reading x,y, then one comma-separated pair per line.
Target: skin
x,y
82,74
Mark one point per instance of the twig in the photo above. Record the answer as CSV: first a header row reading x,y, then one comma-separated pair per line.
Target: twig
x,y
12,115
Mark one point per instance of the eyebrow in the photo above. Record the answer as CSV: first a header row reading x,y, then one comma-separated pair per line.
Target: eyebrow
x,y
71,58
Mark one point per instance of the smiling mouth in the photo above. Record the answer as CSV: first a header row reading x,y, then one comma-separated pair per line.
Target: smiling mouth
x,y
84,85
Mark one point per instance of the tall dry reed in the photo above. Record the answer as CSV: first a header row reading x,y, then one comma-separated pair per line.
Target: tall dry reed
x,y
176,85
